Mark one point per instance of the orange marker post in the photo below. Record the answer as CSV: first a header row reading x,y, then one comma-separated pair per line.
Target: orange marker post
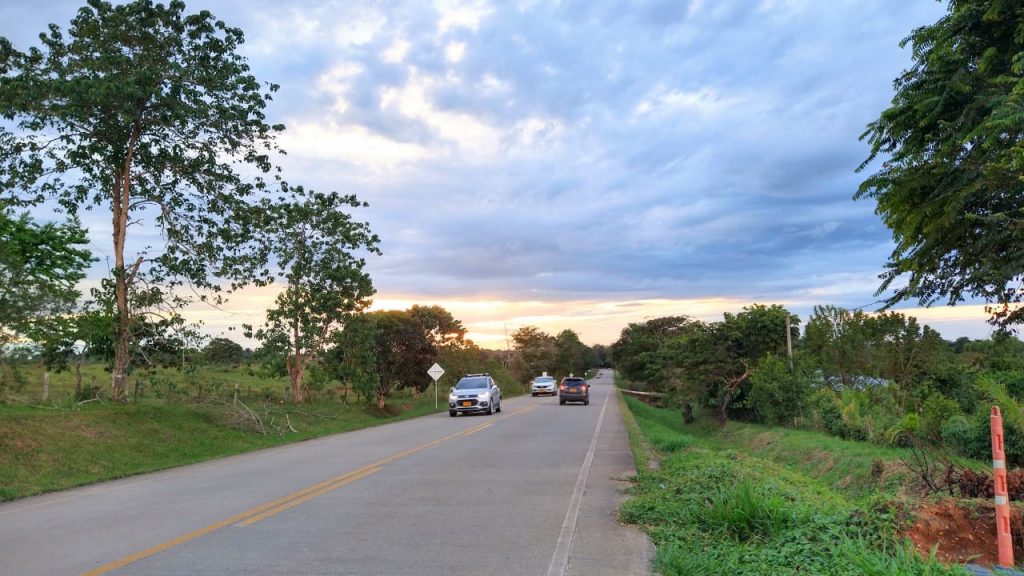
x,y
1002,498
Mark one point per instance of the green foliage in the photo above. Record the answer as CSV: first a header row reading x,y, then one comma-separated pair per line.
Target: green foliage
x,y
725,505
40,265
535,352
571,355
842,343
829,411
48,450
949,184
891,560
905,431
403,352
958,434
316,245
153,113
780,395
352,360
638,352
937,411
746,512
223,351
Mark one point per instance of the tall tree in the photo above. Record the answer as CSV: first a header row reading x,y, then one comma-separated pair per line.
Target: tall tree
x,y
637,351
906,354
223,351
841,343
318,246
402,351
950,185
153,114
535,351
571,355
40,266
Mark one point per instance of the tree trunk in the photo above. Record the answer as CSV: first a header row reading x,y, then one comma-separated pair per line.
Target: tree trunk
x,y
120,205
298,360
121,341
296,372
46,385
688,413
78,379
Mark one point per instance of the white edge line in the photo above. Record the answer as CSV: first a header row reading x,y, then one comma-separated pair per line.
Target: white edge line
x,y
560,559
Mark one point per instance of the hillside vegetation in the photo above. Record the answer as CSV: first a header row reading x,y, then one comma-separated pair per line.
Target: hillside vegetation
x,y
755,500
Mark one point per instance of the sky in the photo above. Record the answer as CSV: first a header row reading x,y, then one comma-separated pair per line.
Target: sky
x,y
581,164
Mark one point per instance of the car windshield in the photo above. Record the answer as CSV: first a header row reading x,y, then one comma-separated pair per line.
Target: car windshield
x,y
543,379
471,383
574,381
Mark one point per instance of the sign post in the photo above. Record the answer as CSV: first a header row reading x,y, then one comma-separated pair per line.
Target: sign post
x,y
435,372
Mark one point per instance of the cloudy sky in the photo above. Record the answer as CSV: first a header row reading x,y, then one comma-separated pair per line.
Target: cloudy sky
x,y
583,164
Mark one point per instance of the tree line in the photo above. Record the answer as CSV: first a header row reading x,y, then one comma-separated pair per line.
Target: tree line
x,y
880,377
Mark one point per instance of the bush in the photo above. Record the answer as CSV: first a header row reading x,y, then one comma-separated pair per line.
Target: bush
x,y
979,443
937,410
905,431
957,434
746,512
778,394
1013,380
828,411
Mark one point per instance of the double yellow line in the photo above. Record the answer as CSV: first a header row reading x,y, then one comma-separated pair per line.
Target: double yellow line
x,y
253,515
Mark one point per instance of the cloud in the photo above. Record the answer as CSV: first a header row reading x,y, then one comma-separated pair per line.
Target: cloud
x,y
578,152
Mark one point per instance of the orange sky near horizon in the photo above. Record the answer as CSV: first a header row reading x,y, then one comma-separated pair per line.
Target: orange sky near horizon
x,y
491,321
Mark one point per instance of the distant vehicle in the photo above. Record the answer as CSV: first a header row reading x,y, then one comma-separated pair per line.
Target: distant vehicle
x,y
542,384
574,389
474,393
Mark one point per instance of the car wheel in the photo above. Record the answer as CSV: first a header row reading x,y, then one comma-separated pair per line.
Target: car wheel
x,y
561,401
586,402
490,409
534,394
498,409
452,413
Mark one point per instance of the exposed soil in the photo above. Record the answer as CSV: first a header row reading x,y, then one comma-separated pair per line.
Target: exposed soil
x,y
964,530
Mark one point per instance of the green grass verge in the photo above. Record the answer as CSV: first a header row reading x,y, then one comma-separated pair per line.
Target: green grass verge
x,y
643,457
52,448
750,500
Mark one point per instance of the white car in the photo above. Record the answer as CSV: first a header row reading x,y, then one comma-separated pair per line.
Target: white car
x,y
543,385
474,394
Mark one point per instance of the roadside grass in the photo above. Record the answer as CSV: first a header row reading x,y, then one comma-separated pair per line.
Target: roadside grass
x,y
753,500
159,383
643,452
845,465
46,448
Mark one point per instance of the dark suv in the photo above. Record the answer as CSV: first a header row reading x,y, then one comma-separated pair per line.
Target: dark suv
x,y
574,389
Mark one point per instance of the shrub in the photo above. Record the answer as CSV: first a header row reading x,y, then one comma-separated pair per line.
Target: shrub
x,y
746,512
779,394
957,434
937,410
825,404
903,432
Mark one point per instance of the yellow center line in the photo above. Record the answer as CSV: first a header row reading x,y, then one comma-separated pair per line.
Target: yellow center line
x,y
476,429
264,511
293,503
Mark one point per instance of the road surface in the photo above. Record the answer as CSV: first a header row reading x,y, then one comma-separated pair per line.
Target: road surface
x,y
529,491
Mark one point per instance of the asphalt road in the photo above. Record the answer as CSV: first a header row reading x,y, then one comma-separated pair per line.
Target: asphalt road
x,y
530,491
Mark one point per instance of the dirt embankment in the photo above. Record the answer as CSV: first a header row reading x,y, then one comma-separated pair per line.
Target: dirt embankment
x,y
963,531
